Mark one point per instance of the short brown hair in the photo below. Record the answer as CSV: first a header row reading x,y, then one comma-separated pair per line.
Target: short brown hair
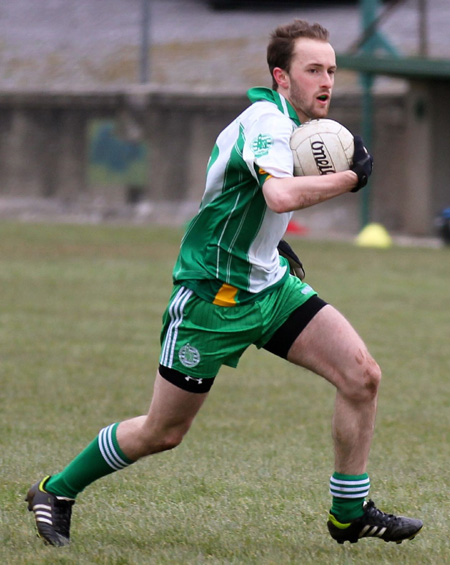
x,y
282,42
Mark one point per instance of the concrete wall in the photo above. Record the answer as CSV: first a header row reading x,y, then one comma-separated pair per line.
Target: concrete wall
x,y
43,152
43,149
427,144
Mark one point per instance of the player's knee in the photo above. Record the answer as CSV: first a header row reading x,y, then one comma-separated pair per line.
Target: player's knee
x,y
165,442
160,440
171,439
372,378
365,382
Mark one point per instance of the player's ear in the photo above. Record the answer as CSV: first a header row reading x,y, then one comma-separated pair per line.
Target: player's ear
x,y
281,77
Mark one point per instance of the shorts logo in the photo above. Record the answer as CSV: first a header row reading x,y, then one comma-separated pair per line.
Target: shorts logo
x,y
189,356
262,144
198,381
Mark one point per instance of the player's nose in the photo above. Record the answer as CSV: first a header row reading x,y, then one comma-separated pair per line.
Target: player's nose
x,y
327,81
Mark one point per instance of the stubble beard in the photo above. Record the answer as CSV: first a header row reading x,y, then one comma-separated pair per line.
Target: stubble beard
x,y
307,108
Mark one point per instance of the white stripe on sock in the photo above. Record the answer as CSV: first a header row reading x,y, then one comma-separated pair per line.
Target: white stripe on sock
x,y
342,482
108,451
349,489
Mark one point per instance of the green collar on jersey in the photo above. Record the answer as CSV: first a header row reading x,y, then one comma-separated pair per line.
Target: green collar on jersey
x,y
262,93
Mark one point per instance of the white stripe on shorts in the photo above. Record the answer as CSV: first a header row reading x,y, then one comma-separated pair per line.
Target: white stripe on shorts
x,y
176,317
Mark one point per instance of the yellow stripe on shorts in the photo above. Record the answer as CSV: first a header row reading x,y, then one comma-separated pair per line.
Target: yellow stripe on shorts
x,y
226,295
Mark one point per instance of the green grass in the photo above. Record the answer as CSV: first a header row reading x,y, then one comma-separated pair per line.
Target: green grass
x,y
79,344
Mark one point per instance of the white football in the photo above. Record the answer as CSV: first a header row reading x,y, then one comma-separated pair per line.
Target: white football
x,y
321,147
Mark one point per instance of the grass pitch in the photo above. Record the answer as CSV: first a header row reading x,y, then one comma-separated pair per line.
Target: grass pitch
x,y
79,341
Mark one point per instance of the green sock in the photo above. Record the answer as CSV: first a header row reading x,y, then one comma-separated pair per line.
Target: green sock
x,y
100,458
349,493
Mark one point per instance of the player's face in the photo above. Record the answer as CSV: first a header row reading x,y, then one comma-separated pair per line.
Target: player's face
x,y
311,78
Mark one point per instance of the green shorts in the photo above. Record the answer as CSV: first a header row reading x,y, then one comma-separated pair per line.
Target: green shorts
x,y
198,337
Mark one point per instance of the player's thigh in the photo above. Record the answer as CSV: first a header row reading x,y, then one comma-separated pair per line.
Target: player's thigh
x,y
330,347
172,408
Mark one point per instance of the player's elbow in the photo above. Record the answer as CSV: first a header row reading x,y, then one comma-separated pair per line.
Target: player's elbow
x,y
280,196
283,203
278,202
277,206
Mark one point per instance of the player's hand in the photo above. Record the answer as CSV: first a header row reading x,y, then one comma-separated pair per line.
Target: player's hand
x,y
296,266
362,163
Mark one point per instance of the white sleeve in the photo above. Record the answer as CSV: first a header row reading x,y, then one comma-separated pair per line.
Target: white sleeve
x,y
267,145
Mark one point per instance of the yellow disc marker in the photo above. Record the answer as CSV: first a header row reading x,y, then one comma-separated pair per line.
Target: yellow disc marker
x,y
374,235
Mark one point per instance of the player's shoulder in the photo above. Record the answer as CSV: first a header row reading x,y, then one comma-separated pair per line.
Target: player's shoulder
x,y
265,107
266,114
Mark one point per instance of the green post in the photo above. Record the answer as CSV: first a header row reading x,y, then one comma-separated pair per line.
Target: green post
x,y
367,81
369,12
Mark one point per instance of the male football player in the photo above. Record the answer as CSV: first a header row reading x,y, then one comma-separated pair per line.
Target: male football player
x,y
232,289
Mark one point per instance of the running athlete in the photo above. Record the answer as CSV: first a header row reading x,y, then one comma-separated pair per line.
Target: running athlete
x,y
232,289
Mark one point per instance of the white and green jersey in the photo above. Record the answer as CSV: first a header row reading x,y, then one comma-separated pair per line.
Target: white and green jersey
x,y
229,252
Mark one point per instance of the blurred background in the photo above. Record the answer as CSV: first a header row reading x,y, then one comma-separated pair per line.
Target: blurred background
x,y
96,43
109,108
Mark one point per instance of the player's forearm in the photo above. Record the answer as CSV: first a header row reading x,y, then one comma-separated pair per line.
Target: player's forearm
x,y
294,193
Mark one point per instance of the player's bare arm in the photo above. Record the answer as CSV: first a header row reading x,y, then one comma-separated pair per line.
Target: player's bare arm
x,y
295,193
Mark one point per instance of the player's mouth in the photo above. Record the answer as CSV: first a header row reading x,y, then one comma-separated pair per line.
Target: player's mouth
x,y
323,98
